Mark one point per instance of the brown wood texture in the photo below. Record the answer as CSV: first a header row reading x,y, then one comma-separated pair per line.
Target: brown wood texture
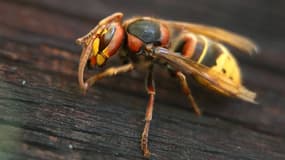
x,y
43,115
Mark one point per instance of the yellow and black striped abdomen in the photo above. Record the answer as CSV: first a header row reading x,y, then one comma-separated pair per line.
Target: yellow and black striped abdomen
x,y
211,54
218,58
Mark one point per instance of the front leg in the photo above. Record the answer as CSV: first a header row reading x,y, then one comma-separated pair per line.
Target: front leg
x,y
148,115
107,73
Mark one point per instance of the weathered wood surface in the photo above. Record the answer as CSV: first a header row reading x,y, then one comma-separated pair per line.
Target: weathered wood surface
x,y
44,116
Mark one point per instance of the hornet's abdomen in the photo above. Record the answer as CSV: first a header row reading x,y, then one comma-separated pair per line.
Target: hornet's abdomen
x,y
209,53
146,31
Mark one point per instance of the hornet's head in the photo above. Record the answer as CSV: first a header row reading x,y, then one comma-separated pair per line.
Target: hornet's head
x,y
100,43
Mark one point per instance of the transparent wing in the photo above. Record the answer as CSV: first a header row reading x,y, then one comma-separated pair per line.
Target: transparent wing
x,y
211,78
240,42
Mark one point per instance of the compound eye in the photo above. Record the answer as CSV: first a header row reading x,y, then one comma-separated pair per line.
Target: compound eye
x,y
106,37
106,44
100,47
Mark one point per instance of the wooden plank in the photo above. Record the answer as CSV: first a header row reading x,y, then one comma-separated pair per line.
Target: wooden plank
x,y
44,116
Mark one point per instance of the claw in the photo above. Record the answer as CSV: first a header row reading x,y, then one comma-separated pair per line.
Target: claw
x,y
84,89
147,154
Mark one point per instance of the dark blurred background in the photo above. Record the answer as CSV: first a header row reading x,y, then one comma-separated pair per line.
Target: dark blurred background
x,y
262,20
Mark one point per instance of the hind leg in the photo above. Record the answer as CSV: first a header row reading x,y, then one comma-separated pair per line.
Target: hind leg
x,y
186,90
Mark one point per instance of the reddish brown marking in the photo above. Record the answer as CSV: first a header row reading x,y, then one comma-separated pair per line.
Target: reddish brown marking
x,y
190,44
134,43
92,61
116,41
164,39
150,89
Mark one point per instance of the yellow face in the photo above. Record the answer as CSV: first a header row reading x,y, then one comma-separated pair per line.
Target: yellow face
x,y
98,57
102,42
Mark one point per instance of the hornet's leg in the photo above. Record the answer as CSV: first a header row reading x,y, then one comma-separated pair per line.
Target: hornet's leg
x,y
108,72
187,92
148,115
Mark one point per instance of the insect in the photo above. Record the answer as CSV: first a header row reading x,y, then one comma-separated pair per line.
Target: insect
x,y
183,48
